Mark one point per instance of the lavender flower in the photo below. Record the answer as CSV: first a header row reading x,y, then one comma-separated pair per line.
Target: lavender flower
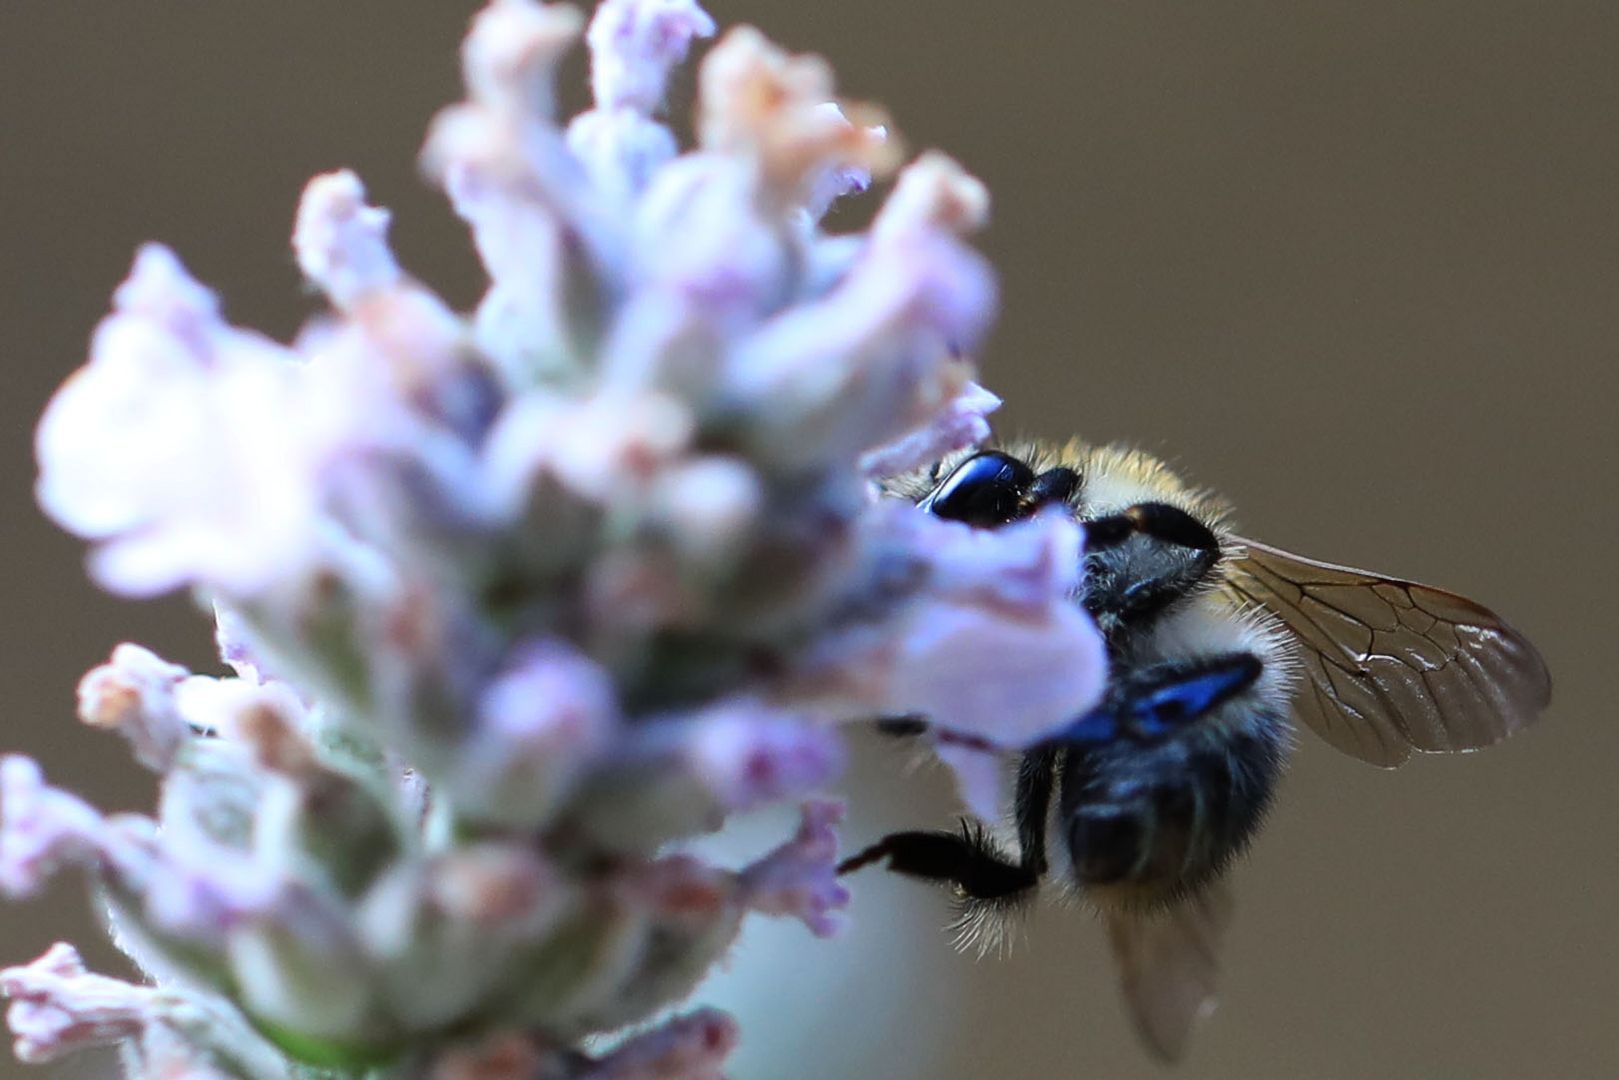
x,y
519,602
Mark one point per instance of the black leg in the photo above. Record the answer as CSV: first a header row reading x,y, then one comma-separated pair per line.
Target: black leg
x,y
902,727
1036,778
967,859
910,727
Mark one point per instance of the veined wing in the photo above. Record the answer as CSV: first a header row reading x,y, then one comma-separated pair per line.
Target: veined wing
x,y
1392,666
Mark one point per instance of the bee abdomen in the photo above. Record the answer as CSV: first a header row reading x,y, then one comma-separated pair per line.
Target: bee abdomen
x,y
1109,843
1166,822
1155,836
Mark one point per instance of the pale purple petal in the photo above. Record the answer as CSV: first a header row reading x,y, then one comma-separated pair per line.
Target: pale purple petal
x,y
546,237
828,258
710,507
189,887
991,644
1031,565
133,695
1008,680
839,180
42,829
238,647
700,236
745,759
634,44
759,102
183,445
148,375
199,453
690,1047
622,150
510,56
200,894
341,243
529,253
932,193
980,775
963,423
681,774
799,879
874,358
516,453
614,440
594,448
58,1008
540,726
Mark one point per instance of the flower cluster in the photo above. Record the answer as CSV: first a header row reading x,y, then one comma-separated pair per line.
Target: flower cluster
x,y
518,601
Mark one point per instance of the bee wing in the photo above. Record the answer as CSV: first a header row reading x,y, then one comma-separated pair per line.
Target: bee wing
x,y
1392,666
1168,962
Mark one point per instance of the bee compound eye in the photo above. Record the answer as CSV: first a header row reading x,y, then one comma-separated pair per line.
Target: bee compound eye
x,y
987,489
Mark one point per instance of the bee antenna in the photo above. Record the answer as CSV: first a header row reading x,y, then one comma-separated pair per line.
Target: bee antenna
x,y
1055,485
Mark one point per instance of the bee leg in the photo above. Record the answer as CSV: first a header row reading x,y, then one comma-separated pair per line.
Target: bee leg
x,y
901,727
1036,780
1154,703
967,859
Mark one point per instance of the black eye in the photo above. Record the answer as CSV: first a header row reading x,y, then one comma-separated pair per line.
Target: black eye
x,y
985,490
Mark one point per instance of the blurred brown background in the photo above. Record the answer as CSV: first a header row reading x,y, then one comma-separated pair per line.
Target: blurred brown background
x,y
1355,264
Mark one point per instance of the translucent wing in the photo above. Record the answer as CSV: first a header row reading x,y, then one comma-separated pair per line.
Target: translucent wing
x,y
1391,666
1168,962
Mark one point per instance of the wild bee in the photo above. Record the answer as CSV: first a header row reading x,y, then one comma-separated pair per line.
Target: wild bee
x,y
1217,644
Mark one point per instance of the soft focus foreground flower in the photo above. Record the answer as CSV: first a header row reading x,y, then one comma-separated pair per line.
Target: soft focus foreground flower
x,y
518,602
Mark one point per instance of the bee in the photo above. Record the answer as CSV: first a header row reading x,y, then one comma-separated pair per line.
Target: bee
x,y
1218,646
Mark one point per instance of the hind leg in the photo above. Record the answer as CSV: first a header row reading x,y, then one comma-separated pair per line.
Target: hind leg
x,y
969,860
